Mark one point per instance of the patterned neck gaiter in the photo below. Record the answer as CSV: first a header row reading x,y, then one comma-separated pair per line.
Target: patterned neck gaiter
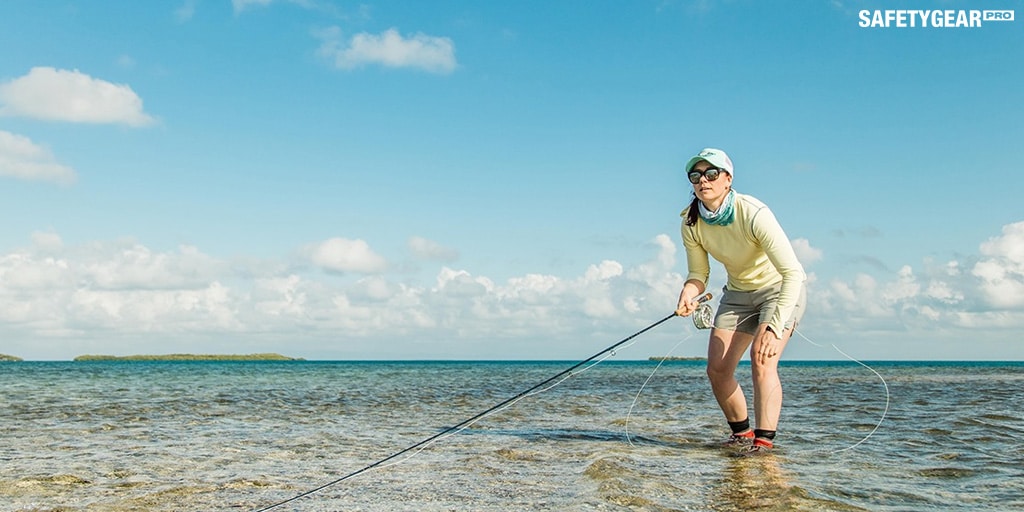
x,y
725,213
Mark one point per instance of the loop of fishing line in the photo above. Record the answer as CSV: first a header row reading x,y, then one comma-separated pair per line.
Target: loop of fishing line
x,y
703,304
706,322
549,383
702,318
885,385
554,381
644,385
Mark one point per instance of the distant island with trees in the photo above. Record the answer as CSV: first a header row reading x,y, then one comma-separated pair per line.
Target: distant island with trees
x,y
677,358
5,357
190,357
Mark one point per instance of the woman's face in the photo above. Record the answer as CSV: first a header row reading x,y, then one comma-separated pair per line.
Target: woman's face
x,y
711,193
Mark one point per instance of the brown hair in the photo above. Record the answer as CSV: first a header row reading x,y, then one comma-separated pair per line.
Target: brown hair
x,y
692,213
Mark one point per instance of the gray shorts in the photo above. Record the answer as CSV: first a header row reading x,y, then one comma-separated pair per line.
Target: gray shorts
x,y
743,311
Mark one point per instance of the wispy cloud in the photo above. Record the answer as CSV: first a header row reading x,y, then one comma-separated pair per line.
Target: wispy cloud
x,y
425,249
186,11
389,49
241,5
23,159
859,232
328,7
60,95
126,61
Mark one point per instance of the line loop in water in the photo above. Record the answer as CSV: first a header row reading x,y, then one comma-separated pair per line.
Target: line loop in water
x,y
454,429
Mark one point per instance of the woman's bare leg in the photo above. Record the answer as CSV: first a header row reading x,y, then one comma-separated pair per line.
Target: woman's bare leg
x,y
767,385
725,349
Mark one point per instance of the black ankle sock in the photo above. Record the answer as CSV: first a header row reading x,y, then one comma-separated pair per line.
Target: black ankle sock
x,y
765,434
739,426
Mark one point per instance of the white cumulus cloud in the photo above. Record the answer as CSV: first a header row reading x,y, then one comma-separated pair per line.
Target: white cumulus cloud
x,y
804,252
344,255
279,296
461,283
1002,270
97,291
390,49
23,159
51,289
135,266
935,298
60,95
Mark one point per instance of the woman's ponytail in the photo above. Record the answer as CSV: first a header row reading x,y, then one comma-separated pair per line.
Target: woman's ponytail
x,y
693,213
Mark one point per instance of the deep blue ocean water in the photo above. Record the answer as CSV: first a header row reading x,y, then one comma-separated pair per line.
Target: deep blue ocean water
x,y
172,436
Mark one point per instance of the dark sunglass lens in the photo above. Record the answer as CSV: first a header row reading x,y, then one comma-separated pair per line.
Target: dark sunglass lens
x,y
711,173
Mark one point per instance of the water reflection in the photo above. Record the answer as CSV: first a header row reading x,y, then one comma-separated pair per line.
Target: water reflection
x,y
753,483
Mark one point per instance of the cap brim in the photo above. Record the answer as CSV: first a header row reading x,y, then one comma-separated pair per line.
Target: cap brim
x,y
693,161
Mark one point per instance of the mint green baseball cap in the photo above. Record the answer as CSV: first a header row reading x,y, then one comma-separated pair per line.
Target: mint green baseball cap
x,y
715,157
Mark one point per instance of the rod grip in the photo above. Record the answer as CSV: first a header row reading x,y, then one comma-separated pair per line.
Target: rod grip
x,y
705,298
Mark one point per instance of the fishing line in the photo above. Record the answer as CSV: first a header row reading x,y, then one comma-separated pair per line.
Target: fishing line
x,y
468,423
884,384
454,429
649,377
702,321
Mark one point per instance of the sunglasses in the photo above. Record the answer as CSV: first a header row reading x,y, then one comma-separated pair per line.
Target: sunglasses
x,y
711,173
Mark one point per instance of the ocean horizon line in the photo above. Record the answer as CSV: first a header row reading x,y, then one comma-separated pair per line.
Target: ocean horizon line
x,y
650,360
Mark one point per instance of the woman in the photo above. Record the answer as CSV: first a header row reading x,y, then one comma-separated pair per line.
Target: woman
x,y
763,299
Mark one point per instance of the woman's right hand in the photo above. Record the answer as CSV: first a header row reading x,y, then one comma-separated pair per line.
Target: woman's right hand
x,y
686,305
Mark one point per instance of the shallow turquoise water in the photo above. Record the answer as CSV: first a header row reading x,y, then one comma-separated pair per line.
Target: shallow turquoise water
x,y
117,436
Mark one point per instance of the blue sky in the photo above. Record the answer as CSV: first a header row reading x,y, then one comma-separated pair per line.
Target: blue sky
x,y
467,180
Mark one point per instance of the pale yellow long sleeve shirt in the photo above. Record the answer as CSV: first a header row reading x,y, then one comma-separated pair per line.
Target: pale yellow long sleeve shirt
x,y
754,250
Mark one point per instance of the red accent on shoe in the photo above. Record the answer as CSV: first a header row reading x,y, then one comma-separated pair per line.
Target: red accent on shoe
x,y
763,443
740,439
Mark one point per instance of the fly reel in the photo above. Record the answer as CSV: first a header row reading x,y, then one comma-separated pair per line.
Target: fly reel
x,y
703,317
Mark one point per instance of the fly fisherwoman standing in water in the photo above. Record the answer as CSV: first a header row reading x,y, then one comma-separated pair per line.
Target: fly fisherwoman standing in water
x,y
763,299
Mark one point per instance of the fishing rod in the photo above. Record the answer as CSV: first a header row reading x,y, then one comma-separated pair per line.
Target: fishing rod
x,y
470,421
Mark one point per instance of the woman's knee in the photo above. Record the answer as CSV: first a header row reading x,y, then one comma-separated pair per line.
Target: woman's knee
x,y
720,370
759,370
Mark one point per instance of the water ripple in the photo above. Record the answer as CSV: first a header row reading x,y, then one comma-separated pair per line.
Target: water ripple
x,y
116,437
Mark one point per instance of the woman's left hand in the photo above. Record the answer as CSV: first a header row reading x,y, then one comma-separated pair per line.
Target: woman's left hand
x,y
769,345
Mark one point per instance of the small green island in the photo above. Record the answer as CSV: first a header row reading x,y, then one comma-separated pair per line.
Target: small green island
x,y
677,358
7,358
190,357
